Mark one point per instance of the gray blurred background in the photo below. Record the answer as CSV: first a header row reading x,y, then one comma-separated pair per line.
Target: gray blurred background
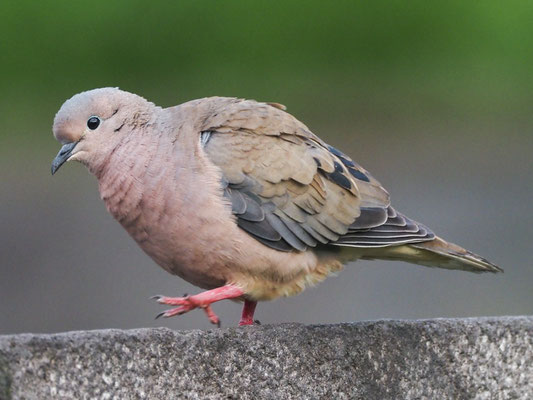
x,y
434,99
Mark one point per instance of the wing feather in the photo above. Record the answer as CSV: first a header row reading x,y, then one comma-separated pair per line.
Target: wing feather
x,y
290,190
397,230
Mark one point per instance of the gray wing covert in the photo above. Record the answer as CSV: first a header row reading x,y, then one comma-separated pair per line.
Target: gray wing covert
x,y
290,190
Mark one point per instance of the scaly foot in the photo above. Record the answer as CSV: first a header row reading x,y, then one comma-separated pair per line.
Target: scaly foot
x,y
201,300
248,310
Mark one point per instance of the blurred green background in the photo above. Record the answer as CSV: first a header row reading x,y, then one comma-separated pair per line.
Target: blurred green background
x,y
434,98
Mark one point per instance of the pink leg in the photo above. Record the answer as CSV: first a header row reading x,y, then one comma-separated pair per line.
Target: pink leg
x,y
248,310
200,300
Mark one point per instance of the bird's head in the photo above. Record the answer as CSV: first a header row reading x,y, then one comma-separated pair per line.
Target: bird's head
x,y
91,124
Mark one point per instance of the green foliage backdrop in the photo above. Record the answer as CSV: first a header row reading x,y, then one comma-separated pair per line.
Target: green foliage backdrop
x,y
468,58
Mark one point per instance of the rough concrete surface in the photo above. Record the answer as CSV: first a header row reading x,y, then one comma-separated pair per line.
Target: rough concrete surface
x,y
479,358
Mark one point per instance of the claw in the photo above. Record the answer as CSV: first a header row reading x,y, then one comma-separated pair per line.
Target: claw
x,y
213,318
202,300
173,301
257,322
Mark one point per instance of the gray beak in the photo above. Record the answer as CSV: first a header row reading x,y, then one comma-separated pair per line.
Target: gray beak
x,y
62,156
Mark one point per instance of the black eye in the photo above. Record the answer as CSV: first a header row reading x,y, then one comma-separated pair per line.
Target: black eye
x,y
93,123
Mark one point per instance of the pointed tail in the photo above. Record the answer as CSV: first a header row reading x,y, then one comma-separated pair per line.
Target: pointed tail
x,y
453,256
435,253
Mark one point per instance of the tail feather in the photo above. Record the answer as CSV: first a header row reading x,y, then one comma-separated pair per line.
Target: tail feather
x,y
434,253
457,257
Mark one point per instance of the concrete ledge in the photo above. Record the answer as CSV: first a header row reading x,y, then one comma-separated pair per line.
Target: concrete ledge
x,y
482,358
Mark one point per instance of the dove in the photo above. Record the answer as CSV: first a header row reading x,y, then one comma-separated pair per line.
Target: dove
x,y
238,197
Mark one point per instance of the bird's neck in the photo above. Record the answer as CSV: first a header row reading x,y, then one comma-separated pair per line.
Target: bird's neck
x,y
151,171
120,178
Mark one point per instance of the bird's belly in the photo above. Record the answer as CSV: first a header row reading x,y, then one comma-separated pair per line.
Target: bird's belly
x,y
192,262
204,246
211,256
189,249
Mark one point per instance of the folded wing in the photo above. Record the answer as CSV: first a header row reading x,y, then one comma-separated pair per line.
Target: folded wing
x,y
290,190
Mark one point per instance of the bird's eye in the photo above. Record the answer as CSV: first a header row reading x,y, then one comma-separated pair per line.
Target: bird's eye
x,y
93,123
